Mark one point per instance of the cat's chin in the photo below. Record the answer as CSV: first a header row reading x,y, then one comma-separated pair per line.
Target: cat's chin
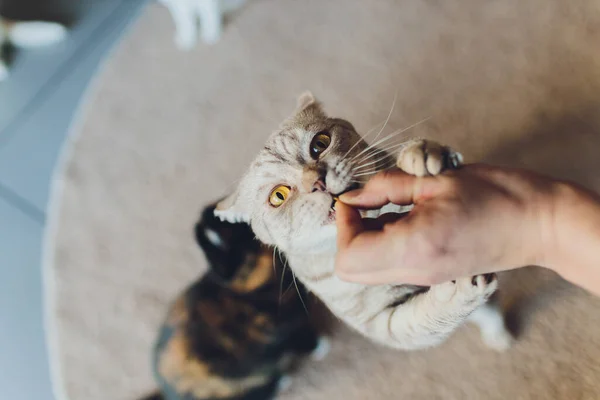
x,y
320,242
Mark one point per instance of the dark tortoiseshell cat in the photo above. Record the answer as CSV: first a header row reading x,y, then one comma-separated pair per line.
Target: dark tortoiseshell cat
x,y
232,334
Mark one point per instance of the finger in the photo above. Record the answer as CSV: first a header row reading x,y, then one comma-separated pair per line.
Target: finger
x,y
394,274
349,224
393,187
370,250
373,224
366,252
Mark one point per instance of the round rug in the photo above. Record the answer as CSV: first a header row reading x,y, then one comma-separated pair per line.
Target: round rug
x,y
166,132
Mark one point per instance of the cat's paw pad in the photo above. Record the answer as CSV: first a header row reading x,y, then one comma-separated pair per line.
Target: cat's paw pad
x,y
322,349
477,288
473,291
444,292
284,384
424,157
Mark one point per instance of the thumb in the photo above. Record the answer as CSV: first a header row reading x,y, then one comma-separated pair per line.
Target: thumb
x,y
349,224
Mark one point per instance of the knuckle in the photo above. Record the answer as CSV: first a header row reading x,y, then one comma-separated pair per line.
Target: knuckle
x,y
381,179
450,182
431,249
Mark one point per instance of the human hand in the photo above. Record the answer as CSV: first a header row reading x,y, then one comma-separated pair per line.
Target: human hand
x,y
474,220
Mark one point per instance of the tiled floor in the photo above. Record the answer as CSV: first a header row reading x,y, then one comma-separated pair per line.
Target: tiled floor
x,y
37,105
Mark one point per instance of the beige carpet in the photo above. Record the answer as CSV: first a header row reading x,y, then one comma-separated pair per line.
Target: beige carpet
x,y
514,82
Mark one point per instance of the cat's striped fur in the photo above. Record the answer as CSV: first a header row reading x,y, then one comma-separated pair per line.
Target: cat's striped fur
x,y
404,316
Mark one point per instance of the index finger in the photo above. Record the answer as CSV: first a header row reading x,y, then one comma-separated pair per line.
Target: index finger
x,y
393,186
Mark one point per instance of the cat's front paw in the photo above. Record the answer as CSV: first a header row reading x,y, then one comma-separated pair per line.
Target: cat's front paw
x,y
468,292
185,41
422,157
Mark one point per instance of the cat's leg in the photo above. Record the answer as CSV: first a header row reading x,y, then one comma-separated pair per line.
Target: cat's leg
x,y
186,24
422,157
429,318
231,5
490,320
211,19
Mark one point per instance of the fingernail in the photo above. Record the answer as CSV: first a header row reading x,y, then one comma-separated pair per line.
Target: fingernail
x,y
349,196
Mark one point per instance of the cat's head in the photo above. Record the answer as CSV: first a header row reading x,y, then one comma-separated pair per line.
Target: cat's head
x,y
235,257
288,192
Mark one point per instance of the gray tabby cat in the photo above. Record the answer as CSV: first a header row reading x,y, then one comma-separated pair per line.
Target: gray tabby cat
x,y
287,196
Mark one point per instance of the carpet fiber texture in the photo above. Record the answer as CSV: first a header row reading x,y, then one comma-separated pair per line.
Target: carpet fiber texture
x,y
165,132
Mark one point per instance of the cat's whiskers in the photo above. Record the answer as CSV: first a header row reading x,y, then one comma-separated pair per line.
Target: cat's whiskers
x,y
373,148
380,150
390,136
371,172
386,166
363,137
378,156
370,162
389,115
285,264
298,291
274,268
288,288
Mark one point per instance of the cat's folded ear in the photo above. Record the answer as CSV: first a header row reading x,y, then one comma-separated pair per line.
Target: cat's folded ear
x,y
308,104
304,100
231,209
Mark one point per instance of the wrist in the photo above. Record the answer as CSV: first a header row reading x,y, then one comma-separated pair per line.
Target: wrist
x,y
553,220
572,231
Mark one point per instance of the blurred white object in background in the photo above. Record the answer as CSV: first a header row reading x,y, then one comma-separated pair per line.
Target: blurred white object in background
x,y
206,16
26,35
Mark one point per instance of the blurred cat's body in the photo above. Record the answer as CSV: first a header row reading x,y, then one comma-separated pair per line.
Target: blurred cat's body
x,y
28,34
198,18
233,334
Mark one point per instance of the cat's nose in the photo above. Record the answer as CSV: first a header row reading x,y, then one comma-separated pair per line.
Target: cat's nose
x,y
319,186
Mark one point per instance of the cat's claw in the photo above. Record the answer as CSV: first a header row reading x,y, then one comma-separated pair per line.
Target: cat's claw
x,y
471,292
422,157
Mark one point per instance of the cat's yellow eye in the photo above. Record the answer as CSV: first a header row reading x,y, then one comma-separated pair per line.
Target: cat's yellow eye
x,y
279,195
319,143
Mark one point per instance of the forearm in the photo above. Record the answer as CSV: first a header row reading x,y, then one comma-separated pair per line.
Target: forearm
x,y
574,251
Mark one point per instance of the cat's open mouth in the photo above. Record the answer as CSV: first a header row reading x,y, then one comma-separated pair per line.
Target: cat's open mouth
x,y
331,215
335,197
